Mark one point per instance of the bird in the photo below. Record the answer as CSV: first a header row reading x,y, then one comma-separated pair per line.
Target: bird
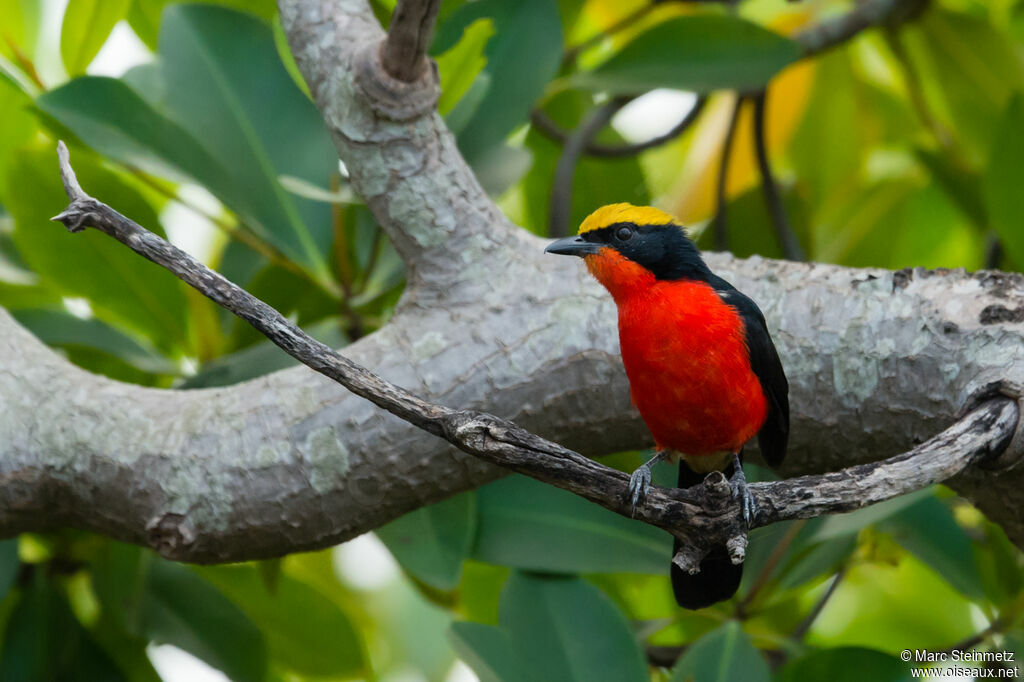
x,y
703,371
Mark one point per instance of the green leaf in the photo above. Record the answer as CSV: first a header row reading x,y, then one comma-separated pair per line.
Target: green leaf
x,y
60,328
43,641
87,24
460,65
113,118
228,87
488,650
929,530
220,128
566,630
723,655
183,609
845,664
123,287
305,630
8,565
19,29
432,542
1004,178
17,124
522,27
700,53
526,524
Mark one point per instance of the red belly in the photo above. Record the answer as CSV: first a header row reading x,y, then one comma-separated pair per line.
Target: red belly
x,y
689,372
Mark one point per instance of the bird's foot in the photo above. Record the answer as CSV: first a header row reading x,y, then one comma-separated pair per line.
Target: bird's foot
x,y
741,492
640,480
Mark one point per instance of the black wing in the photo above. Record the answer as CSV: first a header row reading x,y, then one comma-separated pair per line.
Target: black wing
x,y
764,360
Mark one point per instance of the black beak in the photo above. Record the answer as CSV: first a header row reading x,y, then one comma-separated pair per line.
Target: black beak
x,y
572,246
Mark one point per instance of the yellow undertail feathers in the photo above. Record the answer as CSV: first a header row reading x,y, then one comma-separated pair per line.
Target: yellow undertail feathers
x,y
626,213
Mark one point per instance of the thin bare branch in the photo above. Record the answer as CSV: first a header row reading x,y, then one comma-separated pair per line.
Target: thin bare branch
x,y
547,127
565,170
404,54
832,32
780,220
719,225
701,516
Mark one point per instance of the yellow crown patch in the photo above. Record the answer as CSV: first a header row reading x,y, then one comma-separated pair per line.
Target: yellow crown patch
x,y
625,213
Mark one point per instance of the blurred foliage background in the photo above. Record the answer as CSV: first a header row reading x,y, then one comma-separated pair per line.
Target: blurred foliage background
x,y
902,147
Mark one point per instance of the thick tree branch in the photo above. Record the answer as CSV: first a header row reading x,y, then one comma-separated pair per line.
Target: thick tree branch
x,y
701,517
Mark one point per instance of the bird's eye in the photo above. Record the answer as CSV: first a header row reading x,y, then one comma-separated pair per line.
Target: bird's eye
x,y
624,233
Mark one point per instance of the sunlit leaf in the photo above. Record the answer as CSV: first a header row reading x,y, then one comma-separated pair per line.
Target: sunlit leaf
x,y
698,53
19,29
87,23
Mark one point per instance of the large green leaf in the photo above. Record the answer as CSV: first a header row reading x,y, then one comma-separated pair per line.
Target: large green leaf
x,y
112,117
530,525
432,542
43,641
230,118
522,27
699,53
87,23
489,652
1004,178
126,288
227,86
723,655
305,630
845,664
182,609
566,630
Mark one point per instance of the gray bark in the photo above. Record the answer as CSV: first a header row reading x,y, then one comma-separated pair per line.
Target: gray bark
x,y
878,361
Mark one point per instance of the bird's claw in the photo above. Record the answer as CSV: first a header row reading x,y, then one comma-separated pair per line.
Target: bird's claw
x,y
741,492
639,484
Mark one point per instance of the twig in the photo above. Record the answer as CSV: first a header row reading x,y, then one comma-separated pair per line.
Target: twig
x,y
719,226
573,52
700,517
780,220
405,49
743,608
547,127
561,191
832,32
805,625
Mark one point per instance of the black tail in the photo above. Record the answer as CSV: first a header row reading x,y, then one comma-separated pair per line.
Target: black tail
x,y
718,579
